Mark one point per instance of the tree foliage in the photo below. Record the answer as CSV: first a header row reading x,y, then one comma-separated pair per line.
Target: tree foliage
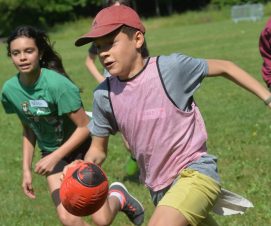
x,y
46,13
39,12
222,3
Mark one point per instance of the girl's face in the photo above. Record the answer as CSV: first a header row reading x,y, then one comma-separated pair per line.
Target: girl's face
x,y
120,54
25,56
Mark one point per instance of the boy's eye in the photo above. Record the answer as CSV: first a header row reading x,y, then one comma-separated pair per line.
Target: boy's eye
x,y
105,45
98,47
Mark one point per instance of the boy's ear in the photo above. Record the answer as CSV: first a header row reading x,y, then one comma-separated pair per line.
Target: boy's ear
x,y
139,38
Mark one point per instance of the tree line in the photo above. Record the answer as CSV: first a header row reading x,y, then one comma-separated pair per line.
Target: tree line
x,y
46,13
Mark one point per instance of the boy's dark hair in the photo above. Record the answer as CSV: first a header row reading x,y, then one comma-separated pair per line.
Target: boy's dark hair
x,y
50,58
130,31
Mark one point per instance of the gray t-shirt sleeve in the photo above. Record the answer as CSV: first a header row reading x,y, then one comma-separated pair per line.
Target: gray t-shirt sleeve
x,y
181,76
103,122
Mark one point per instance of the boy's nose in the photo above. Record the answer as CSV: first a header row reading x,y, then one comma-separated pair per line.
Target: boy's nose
x,y
103,54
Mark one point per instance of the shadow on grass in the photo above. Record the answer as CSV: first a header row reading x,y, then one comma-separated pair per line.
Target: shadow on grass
x,y
132,178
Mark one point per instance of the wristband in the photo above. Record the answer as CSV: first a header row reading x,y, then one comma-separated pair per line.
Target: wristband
x,y
267,101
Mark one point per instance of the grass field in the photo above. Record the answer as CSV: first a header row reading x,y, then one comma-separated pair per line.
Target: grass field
x,y
238,123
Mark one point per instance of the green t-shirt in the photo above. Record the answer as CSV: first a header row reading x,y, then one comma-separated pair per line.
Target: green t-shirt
x,y
43,106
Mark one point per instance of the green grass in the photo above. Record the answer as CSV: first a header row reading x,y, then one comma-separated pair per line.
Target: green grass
x,y
237,122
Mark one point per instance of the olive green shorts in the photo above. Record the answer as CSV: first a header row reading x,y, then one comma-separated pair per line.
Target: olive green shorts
x,y
194,195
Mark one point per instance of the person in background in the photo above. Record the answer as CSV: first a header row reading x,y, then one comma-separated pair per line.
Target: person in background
x,y
265,51
131,167
51,112
151,102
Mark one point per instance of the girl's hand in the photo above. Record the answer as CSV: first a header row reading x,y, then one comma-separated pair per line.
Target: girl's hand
x,y
27,185
46,165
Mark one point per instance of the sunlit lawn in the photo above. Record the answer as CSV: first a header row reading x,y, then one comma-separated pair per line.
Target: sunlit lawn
x,y
238,123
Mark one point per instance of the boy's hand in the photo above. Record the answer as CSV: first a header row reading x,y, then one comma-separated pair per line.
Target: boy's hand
x,y
97,151
68,166
268,101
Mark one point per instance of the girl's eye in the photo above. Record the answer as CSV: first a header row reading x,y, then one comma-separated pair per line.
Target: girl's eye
x,y
14,53
29,51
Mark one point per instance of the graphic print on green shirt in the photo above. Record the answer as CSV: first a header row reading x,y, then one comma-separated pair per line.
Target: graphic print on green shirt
x,y
44,106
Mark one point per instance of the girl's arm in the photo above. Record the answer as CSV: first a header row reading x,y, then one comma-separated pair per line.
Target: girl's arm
x,y
81,120
239,76
29,142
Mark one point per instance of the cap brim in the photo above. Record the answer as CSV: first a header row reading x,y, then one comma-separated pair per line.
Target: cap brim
x,y
96,33
83,40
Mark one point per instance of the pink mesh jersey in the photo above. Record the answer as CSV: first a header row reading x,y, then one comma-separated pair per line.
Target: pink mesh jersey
x,y
163,138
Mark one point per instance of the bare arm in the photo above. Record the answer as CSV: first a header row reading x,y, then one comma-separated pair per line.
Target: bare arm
x,y
29,142
231,71
46,164
90,64
96,153
98,150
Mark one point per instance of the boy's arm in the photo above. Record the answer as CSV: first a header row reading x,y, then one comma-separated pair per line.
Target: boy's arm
x,y
239,76
98,150
96,153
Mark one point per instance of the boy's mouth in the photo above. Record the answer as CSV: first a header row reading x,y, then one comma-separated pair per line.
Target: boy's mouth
x,y
108,64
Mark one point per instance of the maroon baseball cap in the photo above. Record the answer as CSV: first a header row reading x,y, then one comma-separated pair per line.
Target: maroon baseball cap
x,y
110,19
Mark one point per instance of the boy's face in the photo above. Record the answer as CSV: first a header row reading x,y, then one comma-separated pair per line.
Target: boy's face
x,y
120,54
